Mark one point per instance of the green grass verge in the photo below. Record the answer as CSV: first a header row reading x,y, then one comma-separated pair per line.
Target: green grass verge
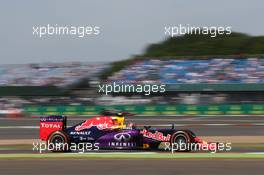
x,y
140,155
17,147
245,147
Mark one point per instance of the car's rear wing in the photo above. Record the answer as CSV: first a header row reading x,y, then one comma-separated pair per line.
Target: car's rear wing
x,y
51,124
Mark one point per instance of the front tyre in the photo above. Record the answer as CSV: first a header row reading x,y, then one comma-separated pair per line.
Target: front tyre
x,y
58,142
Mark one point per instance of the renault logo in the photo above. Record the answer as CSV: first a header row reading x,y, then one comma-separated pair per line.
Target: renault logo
x,y
122,137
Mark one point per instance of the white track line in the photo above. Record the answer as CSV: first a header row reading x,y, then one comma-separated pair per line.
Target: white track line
x,y
112,153
255,153
161,125
19,127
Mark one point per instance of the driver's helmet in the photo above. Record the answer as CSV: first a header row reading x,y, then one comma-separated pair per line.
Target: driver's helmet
x,y
119,114
118,122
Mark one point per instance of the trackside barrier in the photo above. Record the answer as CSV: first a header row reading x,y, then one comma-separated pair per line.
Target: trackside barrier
x,y
223,109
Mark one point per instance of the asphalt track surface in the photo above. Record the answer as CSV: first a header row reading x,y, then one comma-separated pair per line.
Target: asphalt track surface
x,y
27,127
132,166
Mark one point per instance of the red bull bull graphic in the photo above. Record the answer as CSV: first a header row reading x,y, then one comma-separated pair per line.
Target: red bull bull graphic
x,y
100,122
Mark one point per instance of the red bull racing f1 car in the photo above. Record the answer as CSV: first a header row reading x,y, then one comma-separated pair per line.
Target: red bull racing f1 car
x,y
109,131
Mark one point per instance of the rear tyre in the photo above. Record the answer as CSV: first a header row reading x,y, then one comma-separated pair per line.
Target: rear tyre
x,y
180,142
59,142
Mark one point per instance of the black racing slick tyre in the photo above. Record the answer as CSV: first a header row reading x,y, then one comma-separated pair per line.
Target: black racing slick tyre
x,y
180,142
58,142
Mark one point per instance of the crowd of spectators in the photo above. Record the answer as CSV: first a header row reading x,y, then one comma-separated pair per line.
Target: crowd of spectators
x,y
60,74
215,70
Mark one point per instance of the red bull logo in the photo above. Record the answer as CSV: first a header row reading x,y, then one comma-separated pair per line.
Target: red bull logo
x,y
156,136
100,122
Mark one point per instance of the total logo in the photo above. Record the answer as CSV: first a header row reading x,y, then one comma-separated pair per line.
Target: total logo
x,y
50,125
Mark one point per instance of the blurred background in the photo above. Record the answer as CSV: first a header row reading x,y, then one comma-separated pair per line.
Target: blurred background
x,y
224,76
214,86
203,75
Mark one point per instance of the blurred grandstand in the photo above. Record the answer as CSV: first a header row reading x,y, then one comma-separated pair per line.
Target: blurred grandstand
x,y
211,70
47,83
179,73
228,79
48,74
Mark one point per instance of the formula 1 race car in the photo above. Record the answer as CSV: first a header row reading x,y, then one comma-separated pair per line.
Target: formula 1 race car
x,y
109,131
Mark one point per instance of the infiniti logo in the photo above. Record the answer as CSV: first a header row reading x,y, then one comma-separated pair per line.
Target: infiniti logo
x,y
122,137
